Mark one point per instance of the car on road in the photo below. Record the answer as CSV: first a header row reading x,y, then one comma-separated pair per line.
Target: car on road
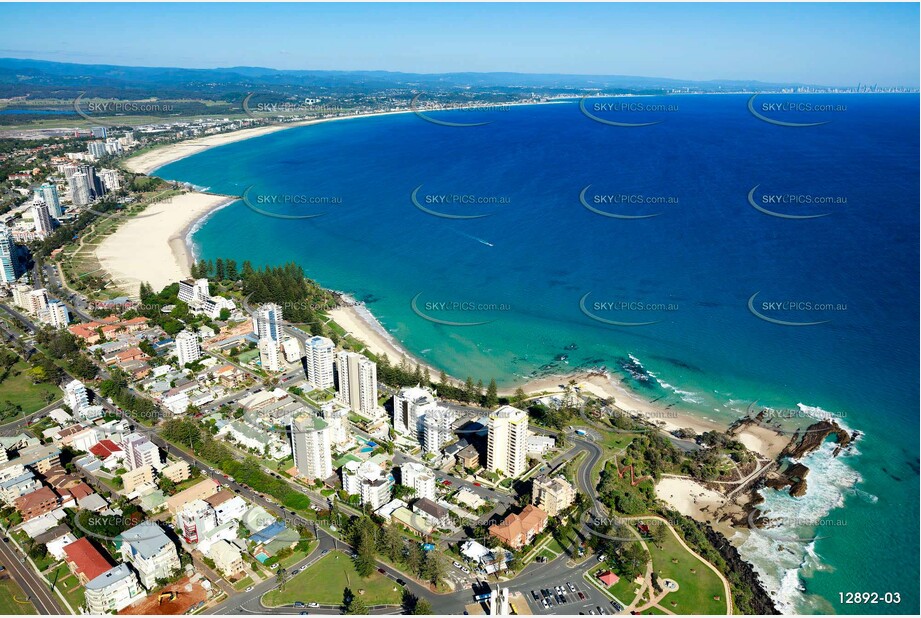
x,y
298,604
571,587
382,571
401,582
534,594
313,604
447,483
325,551
581,597
457,564
477,485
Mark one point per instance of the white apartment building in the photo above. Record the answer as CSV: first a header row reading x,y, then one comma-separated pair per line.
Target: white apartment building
x,y
319,360
357,383
37,301
420,478
56,315
112,591
410,405
80,191
267,321
41,219
187,348
291,348
150,552
76,395
438,425
269,354
508,441
139,451
368,481
339,426
195,520
193,289
310,441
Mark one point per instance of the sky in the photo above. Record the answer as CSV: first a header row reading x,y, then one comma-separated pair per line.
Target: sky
x,y
825,44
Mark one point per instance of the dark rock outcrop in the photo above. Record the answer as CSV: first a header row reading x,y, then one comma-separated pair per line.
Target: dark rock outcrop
x,y
741,571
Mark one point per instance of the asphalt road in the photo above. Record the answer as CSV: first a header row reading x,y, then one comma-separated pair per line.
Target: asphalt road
x,y
31,583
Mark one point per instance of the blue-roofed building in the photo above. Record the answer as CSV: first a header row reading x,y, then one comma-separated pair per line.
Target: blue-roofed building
x,y
268,533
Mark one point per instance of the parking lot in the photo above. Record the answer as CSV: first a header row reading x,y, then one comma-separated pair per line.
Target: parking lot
x,y
571,597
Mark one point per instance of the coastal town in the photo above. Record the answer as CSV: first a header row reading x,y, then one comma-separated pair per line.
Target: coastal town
x,y
196,436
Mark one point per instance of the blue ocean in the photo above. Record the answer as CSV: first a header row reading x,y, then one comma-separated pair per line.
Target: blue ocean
x,y
710,256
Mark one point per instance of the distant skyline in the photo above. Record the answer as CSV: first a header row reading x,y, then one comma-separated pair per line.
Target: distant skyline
x,y
816,43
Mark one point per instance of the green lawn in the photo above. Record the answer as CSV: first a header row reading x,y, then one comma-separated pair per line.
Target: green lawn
x,y
325,581
546,553
697,583
71,587
12,599
243,583
555,546
624,590
297,556
18,389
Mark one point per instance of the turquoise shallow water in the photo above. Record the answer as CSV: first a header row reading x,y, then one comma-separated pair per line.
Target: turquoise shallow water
x,y
523,269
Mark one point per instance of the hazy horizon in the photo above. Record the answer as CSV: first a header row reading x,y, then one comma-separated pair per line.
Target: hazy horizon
x,y
854,43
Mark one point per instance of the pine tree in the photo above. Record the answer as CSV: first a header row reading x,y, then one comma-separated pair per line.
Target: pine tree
x,y
492,394
469,393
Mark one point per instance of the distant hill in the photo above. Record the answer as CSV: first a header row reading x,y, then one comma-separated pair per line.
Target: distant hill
x,y
43,79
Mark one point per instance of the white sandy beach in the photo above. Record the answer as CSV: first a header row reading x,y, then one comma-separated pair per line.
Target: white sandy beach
x,y
151,247
147,162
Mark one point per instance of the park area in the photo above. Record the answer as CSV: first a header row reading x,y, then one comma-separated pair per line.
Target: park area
x,y
700,589
20,396
324,583
13,600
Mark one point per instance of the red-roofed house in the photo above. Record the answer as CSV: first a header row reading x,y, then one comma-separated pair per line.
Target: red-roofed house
x,y
85,561
109,452
87,332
